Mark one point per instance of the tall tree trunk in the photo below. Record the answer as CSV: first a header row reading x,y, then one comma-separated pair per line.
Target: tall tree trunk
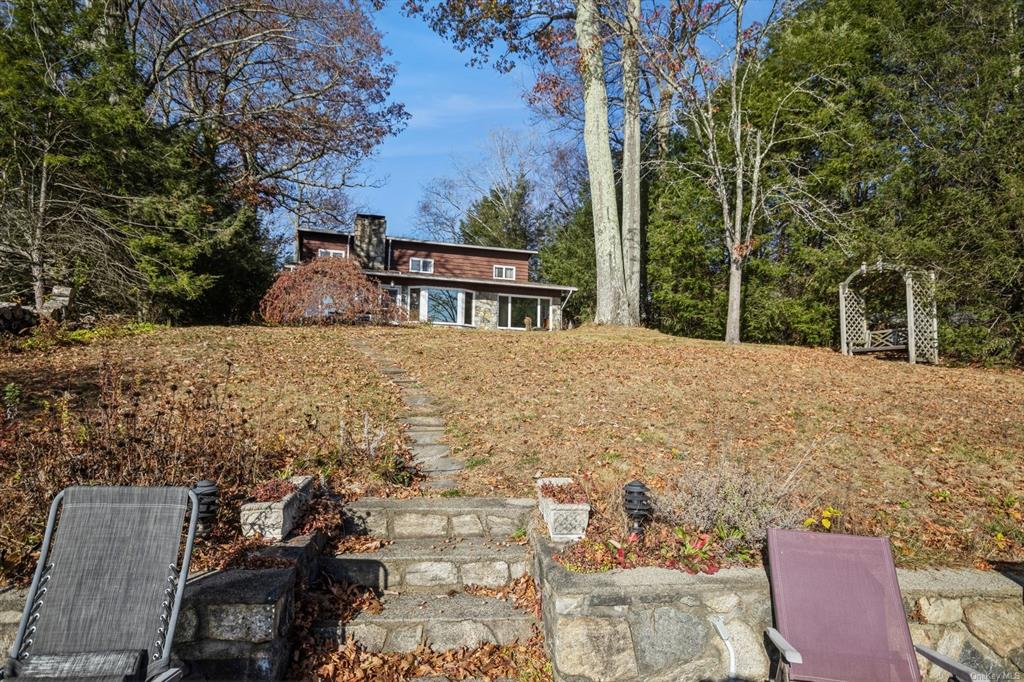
x,y
36,244
662,120
604,204
734,232
631,166
732,320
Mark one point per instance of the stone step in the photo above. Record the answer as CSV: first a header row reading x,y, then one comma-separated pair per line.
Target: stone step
x,y
423,410
425,452
442,623
432,565
432,517
424,421
426,436
439,465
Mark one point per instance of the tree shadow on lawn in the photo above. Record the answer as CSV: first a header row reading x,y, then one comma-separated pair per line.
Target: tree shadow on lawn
x,y
38,382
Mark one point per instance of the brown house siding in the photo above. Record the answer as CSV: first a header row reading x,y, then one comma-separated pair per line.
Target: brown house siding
x,y
495,288
460,261
310,244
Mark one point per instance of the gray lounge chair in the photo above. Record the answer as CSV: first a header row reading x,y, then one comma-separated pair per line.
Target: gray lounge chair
x,y
105,597
839,614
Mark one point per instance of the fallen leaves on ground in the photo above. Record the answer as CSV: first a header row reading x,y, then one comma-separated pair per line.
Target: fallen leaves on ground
x,y
351,663
521,593
931,456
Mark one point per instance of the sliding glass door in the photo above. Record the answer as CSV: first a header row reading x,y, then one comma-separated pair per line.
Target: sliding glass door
x,y
441,306
524,312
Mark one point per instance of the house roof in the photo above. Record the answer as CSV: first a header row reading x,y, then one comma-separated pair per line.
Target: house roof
x,y
396,274
428,242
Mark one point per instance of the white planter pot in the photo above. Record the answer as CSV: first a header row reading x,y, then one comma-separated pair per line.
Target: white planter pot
x,y
565,522
274,520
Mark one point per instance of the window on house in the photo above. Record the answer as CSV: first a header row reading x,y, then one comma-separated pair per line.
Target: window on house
x,y
331,253
441,306
504,272
514,310
421,265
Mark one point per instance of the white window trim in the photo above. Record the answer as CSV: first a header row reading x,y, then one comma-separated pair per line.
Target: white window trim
x,y
425,306
503,268
421,261
549,299
331,253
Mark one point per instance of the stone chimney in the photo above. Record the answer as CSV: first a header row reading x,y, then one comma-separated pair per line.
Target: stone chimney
x,y
369,242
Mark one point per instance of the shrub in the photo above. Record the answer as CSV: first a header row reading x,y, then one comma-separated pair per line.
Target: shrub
x,y
327,291
732,502
159,433
162,434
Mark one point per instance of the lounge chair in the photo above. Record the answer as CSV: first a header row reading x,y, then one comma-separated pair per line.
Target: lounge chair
x,y
839,614
105,597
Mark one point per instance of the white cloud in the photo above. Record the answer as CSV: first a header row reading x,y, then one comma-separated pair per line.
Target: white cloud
x,y
455,108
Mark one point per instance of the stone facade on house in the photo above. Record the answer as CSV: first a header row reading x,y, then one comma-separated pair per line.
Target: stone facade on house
x,y
485,310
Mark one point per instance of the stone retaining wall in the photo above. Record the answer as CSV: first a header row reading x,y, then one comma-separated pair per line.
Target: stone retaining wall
x,y
654,624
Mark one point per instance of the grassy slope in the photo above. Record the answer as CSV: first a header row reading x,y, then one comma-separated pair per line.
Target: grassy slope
x,y
932,456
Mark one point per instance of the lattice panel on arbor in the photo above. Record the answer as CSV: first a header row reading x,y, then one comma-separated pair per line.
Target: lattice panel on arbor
x,y
856,319
926,338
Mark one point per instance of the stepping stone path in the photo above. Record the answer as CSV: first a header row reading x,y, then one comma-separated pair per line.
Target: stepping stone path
x,y
437,547
425,422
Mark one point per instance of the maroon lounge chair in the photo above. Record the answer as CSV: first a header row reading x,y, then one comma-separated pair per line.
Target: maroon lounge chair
x,y
838,612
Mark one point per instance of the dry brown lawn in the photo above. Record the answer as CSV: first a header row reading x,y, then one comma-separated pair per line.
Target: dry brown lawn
x,y
932,456
284,376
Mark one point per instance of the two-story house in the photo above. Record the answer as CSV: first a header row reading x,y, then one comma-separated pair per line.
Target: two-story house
x,y
443,283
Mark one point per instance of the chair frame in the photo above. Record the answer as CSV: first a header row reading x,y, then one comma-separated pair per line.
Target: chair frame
x,y
163,663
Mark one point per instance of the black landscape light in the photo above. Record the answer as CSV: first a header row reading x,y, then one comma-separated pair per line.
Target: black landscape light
x,y
206,491
637,502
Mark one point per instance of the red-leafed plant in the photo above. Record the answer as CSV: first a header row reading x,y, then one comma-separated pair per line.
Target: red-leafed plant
x,y
327,291
273,490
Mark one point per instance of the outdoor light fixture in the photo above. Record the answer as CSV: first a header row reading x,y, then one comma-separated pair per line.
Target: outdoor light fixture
x,y
637,503
206,491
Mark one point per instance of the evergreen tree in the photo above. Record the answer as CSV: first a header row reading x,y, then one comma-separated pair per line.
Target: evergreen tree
x,y
504,217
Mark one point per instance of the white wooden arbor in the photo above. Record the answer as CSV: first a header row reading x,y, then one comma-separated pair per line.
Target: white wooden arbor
x,y
920,338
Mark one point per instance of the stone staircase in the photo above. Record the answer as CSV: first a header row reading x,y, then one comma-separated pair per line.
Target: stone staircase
x,y
437,548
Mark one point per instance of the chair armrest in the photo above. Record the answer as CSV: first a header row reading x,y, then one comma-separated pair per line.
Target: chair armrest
x,y
789,653
959,671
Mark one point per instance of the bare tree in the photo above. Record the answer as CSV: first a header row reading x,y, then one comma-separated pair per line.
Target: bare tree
x,y
516,174
292,94
631,159
710,70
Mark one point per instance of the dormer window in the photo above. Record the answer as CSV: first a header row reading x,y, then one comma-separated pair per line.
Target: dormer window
x,y
331,253
421,265
504,272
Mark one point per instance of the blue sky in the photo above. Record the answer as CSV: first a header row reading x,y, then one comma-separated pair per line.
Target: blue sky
x,y
453,109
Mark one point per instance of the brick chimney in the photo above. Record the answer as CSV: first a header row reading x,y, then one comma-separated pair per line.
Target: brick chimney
x,y
369,242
